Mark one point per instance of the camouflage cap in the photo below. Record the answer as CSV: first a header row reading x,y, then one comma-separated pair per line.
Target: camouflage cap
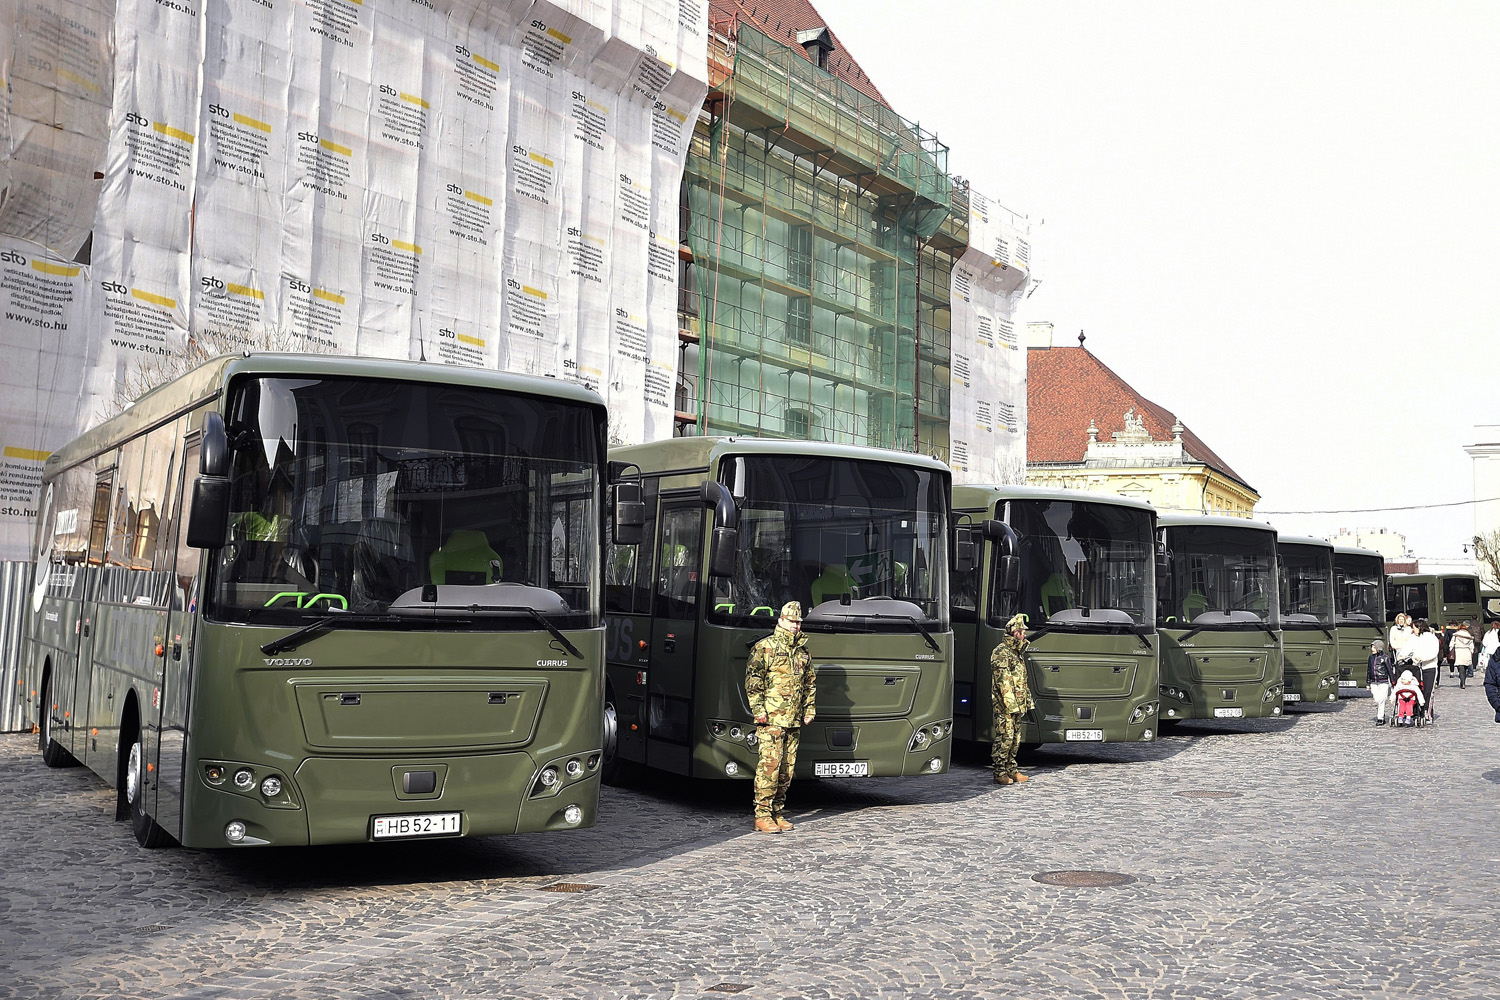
x,y
792,611
1017,621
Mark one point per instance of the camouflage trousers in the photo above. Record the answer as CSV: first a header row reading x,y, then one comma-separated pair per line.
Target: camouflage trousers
x,y
778,758
1007,742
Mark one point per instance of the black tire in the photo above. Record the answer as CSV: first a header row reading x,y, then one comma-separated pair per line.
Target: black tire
x,y
613,769
133,790
53,755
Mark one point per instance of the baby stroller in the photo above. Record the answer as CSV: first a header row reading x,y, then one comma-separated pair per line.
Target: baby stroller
x,y
1406,709
1409,700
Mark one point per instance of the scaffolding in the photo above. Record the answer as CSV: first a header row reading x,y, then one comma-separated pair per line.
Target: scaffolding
x,y
815,223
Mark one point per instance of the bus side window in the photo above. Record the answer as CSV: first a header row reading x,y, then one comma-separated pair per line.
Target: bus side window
x,y
645,563
184,567
679,556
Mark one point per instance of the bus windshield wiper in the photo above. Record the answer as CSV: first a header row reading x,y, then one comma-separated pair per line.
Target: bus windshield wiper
x,y
914,624
540,618
318,626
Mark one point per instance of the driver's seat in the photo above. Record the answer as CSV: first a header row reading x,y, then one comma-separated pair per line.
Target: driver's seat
x,y
465,558
835,581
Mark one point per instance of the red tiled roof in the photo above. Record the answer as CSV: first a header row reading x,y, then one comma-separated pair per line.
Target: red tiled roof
x,y
1066,387
782,19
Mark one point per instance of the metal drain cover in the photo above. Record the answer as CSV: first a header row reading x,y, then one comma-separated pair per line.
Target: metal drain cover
x,y
1207,793
1083,879
728,988
567,887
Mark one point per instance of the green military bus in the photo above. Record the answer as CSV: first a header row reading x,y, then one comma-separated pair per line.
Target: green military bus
x,y
310,600
735,527
1439,597
1217,615
1359,603
1081,567
1309,644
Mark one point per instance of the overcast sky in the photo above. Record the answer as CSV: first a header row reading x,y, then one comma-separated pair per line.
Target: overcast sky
x,y
1278,220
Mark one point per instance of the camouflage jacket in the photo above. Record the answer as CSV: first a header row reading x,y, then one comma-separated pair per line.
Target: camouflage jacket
x,y
779,679
1010,691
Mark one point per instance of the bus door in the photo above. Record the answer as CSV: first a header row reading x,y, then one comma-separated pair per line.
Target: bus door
x,y
674,633
180,564
95,570
966,611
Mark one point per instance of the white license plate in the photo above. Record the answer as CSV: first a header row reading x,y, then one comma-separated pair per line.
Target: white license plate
x,y
1289,696
418,825
1348,684
1083,735
842,769
1229,713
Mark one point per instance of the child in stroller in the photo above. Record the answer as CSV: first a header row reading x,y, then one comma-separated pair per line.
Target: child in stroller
x,y
1409,697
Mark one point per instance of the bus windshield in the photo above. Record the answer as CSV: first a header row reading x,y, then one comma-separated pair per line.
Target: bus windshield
x,y
1306,597
347,493
1077,556
1218,569
1358,590
814,529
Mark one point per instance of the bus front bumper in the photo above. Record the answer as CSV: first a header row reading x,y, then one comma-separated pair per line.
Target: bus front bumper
x,y
837,749
330,800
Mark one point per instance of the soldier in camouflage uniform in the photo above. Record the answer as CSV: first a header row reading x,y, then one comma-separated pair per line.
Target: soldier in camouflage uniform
x,y
1011,697
779,682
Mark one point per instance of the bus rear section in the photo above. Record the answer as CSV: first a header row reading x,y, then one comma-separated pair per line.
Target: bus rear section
x,y
1081,567
1441,598
1359,603
1217,615
386,620
738,527
1310,648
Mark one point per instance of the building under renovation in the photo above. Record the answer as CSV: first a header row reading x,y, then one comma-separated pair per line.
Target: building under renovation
x,y
820,230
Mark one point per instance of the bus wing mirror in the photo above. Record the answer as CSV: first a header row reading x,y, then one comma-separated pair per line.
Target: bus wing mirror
x,y
1010,575
965,551
629,514
208,517
1003,535
213,453
722,550
726,514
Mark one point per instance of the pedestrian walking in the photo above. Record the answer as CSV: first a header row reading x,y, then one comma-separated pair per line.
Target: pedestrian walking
x,y
1462,648
1400,635
1492,682
1010,695
1379,675
779,681
1488,644
1423,651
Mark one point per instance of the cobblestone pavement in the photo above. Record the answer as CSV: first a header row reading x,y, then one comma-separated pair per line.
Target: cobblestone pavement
x,y
1351,862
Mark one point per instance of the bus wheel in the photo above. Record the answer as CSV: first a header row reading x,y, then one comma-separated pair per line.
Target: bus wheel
x,y
615,770
53,755
147,833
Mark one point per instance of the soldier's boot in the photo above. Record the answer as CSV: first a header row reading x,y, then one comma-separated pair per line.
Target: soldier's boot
x,y
783,824
1004,779
1018,777
765,824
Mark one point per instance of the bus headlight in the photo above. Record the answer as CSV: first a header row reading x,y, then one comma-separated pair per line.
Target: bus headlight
x,y
731,769
271,787
244,778
1145,734
736,733
935,764
234,831
574,768
572,815
548,777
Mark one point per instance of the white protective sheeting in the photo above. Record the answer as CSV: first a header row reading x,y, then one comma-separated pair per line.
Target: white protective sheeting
x,y
458,181
987,432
